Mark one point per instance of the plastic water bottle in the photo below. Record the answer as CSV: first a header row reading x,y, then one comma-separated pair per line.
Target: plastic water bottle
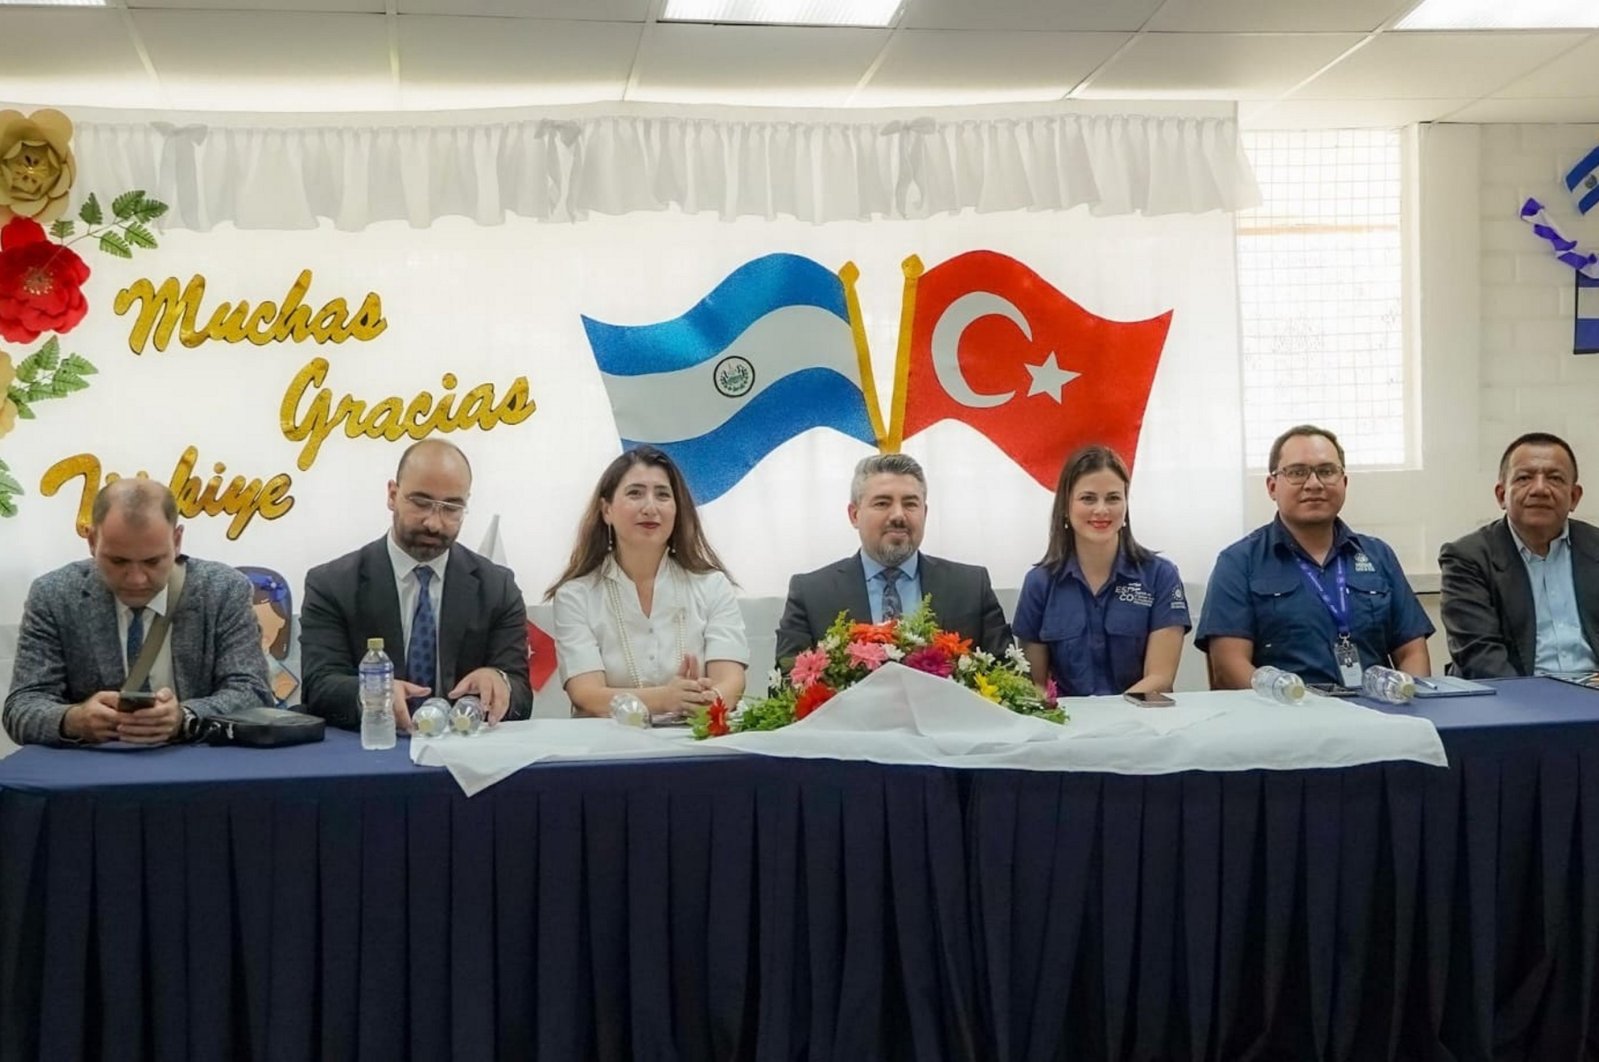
x,y
1275,684
377,697
1386,684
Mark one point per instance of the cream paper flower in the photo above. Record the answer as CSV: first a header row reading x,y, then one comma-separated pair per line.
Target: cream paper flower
x,y
8,408
36,165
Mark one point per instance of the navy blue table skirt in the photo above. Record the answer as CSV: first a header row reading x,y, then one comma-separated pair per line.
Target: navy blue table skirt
x,y
329,903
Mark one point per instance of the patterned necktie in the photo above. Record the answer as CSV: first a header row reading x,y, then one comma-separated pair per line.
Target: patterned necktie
x,y
422,654
892,606
136,641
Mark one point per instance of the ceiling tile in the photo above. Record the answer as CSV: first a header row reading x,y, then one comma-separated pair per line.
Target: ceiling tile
x,y
359,7
944,67
1528,110
1215,65
259,61
70,58
1407,65
594,10
1342,114
497,62
1073,15
1565,76
1283,16
771,65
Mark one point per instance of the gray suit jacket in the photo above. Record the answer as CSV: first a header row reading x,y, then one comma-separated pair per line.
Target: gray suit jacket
x,y
68,647
482,623
963,601
1487,604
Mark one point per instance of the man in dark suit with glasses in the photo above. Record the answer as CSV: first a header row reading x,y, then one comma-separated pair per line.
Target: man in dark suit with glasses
x,y
453,621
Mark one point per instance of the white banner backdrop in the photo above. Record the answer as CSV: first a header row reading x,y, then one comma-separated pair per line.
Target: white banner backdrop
x,y
489,305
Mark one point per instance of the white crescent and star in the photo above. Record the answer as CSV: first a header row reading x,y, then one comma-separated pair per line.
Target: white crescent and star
x,y
1047,377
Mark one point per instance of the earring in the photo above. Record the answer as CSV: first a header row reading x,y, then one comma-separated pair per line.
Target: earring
x,y
610,539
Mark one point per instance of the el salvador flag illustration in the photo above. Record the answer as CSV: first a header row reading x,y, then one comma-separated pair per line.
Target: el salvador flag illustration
x,y
1583,182
768,354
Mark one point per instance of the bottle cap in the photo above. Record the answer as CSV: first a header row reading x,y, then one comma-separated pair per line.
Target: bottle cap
x,y
374,643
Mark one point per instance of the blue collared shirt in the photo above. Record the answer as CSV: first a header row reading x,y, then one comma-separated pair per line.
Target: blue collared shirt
x,y
1258,591
1096,641
909,584
1560,645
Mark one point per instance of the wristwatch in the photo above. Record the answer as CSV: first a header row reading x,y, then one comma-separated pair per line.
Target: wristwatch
x,y
189,729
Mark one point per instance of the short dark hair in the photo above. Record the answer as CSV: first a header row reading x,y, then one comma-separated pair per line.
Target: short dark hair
x,y
894,464
399,470
1298,431
1536,438
138,498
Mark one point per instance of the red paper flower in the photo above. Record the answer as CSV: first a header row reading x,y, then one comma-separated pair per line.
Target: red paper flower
x,y
41,283
811,698
882,633
932,660
716,719
952,643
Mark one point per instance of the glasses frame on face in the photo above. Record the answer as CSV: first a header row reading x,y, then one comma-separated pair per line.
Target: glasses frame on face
x,y
445,510
1299,475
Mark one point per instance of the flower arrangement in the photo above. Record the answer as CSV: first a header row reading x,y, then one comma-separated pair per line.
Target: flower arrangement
x,y
41,276
851,651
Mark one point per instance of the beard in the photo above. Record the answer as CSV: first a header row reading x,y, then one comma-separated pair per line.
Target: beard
x,y
892,554
423,545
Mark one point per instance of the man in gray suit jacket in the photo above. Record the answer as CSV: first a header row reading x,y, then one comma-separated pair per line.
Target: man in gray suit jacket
x,y
1521,595
84,624
452,621
890,575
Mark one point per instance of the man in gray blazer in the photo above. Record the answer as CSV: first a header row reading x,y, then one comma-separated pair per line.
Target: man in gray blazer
x,y
84,624
1521,595
452,621
890,575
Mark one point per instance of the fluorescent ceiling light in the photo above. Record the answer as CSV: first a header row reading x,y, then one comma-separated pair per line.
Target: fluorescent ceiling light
x,y
784,12
1502,14
52,3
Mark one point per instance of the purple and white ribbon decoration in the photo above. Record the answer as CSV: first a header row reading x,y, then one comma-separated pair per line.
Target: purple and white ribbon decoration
x,y
1565,250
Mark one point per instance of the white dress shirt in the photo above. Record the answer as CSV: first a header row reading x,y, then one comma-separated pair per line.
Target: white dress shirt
x,y
161,670
598,619
406,582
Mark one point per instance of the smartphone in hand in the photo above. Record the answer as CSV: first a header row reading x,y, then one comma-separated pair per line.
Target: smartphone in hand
x,y
1149,700
133,700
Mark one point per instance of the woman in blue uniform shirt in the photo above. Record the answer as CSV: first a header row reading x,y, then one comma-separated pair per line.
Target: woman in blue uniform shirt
x,y
1100,613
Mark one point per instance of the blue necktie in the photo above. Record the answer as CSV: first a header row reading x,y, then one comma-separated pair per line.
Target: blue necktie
x,y
892,606
136,641
422,654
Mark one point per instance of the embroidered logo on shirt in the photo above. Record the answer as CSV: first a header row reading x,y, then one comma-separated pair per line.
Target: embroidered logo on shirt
x,y
1135,594
1363,563
1179,600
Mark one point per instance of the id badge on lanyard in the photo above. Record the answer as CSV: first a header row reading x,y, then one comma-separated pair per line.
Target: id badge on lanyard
x,y
1337,602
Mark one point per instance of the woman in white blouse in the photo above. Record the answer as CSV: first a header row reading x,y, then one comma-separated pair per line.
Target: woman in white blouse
x,y
644,605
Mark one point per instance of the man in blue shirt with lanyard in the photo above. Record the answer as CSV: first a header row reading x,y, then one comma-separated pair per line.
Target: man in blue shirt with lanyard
x,y
1305,593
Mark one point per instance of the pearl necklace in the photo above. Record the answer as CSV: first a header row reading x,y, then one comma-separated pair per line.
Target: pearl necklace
x,y
614,596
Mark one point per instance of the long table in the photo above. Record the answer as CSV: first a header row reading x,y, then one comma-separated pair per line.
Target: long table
x,y
330,903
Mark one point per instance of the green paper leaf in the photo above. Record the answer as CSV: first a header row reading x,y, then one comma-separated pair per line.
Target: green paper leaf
x,y
27,369
37,390
111,243
4,467
49,355
124,205
24,410
65,383
140,236
7,507
63,228
9,485
90,211
78,366
150,209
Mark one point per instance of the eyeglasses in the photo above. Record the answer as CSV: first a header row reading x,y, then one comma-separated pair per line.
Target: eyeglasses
x,y
447,510
1298,474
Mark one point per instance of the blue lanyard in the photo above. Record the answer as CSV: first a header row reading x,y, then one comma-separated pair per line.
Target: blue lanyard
x,y
1340,608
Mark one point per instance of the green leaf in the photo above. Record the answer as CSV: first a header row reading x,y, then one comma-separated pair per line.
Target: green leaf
x,y
9,485
7,506
78,366
37,390
90,211
24,410
150,209
49,355
111,243
27,369
4,467
124,205
62,228
65,383
140,236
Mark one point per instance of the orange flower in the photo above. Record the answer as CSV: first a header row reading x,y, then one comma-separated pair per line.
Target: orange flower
x,y
882,633
952,643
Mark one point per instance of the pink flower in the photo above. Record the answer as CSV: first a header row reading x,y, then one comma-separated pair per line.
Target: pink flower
x,y
931,660
1051,692
871,654
808,667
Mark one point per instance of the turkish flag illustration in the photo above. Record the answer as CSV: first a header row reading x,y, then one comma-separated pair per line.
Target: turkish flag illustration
x,y
994,345
540,656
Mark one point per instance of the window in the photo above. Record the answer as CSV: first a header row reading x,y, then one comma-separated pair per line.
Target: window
x,y
1321,295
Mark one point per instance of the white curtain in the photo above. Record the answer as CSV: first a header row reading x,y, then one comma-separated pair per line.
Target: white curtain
x,y
266,172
